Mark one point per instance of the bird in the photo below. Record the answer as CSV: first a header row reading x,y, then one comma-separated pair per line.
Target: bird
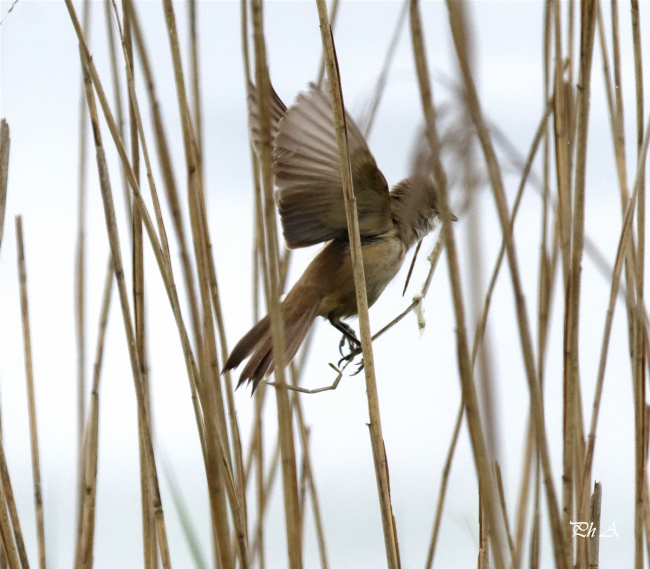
x,y
309,198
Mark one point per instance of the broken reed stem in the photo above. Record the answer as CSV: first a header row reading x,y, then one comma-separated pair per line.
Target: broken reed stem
x,y
376,437
84,547
486,484
111,226
285,426
594,540
31,398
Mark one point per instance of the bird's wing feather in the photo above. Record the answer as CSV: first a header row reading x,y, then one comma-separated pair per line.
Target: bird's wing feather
x,y
308,178
278,109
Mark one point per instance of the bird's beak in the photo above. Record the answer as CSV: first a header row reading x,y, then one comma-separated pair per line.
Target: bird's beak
x,y
453,217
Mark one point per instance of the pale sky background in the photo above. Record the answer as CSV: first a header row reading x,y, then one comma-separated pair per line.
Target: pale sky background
x,y
417,377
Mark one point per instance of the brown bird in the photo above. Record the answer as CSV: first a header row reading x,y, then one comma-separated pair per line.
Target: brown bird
x,y
310,201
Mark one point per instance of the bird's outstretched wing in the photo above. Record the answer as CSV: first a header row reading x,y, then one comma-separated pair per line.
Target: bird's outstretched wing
x,y
308,178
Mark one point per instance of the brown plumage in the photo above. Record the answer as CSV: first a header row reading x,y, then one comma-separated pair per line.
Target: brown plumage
x,y
310,201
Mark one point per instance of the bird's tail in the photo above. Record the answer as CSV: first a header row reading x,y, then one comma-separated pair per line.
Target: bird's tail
x,y
299,310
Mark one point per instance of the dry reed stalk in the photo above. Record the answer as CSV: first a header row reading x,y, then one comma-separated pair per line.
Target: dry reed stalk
x,y
85,542
111,226
148,523
376,437
209,389
535,529
196,84
504,510
634,271
285,427
618,266
268,486
7,497
524,491
230,397
5,143
469,392
638,350
562,144
594,540
162,259
480,327
6,492
259,457
477,340
117,93
5,531
162,256
31,398
458,25
80,281
169,182
646,490
309,473
573,442
334,12
443,487
369,117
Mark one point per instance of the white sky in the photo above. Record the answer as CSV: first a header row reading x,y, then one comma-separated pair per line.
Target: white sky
x,y
417,377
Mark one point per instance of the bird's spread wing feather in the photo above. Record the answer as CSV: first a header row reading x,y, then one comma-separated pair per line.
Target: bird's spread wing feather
x,y
308,178
278,108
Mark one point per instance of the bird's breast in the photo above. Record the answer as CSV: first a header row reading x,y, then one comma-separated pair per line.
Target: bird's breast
x,y
382,258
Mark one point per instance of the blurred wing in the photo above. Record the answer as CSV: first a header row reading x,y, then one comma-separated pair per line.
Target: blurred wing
x,y
308,177
278,108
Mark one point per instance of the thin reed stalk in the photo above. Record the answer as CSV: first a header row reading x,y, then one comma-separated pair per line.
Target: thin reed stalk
x,y
86,539
10,532
443,487
573,441
31,397
80,279
5,143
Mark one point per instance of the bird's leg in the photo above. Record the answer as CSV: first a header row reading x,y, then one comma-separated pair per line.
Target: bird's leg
x,y
353,343
348,336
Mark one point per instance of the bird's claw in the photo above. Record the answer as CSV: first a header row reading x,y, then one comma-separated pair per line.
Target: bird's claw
x,y
348,358
352,347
